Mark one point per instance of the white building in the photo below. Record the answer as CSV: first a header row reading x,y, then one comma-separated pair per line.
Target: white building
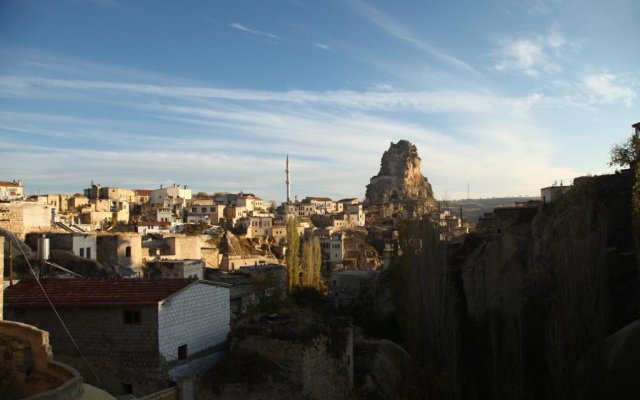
x,y
11,190
333,248
171,194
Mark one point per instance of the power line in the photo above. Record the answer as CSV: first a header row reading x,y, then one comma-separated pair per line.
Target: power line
x,y
58,315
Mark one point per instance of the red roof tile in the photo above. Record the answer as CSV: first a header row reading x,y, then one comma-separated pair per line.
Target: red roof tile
x,y
92,292
143,192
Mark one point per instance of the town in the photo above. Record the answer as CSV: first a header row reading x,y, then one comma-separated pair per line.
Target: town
x,y
144,291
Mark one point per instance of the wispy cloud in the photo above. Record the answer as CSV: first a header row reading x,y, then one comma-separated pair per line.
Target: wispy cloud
x,y
532,55
606,88
389,99
239,26
395,29
322,46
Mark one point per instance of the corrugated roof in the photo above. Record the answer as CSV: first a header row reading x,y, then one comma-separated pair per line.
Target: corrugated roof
x,y
92,292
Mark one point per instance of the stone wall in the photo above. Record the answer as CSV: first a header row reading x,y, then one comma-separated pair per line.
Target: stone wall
x,y
197,316
185,247
22,218
211,256
321,374
27,353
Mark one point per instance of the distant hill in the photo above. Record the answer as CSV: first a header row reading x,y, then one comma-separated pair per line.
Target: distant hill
x,y
474,208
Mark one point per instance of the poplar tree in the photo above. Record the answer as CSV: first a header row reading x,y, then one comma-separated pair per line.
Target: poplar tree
x,y
292,257
316,256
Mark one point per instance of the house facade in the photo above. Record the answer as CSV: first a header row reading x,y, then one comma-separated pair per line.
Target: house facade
x,y
139,335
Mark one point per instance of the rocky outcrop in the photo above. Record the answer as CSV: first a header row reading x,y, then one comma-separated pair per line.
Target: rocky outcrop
x,y
399,190
380,366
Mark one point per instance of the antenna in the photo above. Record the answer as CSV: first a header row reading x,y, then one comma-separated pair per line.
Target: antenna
x,y
468,192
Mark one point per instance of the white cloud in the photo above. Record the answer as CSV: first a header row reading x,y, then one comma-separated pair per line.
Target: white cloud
x,y
239,26
532,55
322,46
381,98
604,88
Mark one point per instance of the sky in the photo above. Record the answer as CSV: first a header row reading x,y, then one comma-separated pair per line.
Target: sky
x,y
500,97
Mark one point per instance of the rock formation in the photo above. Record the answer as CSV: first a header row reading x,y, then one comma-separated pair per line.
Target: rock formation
x,y
399,190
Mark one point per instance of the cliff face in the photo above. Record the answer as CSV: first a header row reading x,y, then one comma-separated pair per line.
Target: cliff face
x,y
399,190
549,284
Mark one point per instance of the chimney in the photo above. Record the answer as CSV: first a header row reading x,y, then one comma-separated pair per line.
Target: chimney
x,y
161,186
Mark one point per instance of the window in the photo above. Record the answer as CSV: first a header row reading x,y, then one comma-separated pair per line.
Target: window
x,y
82,252
204,209
182,352
126,388
88,252
131,316
127,252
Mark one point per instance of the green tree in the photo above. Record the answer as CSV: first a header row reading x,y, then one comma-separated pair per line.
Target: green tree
x,y
311,262
307,263
292,257
316,256
626,153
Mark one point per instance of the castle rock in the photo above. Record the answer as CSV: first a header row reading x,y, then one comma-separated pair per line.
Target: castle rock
x,y
399,190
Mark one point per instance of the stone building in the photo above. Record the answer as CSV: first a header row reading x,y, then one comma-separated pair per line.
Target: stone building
x,y
122,249
11,190
181,269
81,244
24,217
169,194
346,286
138,335
147,227
551,194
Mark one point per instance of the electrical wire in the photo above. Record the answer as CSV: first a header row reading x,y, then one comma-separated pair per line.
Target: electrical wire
x,y
33,272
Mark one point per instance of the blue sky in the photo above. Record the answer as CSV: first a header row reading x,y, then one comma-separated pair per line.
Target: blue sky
x,y
508,96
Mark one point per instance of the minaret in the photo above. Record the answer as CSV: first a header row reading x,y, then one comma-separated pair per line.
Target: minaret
x,y
288,181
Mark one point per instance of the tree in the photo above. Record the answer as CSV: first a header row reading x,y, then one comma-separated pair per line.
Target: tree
x,y
292,257
311,262
626,153
316,256
201,194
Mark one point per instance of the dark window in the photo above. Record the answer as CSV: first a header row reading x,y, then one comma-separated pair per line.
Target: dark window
x,y
127,251
88,252
82,252
182,352
131,316
126,388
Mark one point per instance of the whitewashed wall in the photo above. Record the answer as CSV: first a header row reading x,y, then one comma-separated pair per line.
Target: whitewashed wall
x,y
198,316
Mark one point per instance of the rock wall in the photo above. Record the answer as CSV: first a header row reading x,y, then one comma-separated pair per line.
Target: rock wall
x,y
321,375
399,190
